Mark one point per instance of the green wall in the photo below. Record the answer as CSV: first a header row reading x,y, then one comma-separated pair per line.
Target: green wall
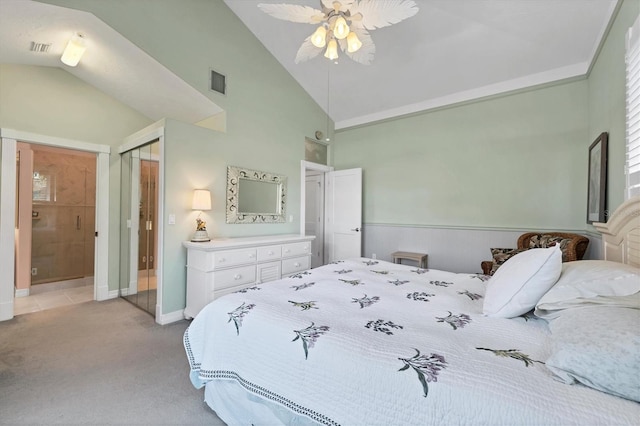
x,y
518,161
51,102
515,161
268,115
509,162
607,100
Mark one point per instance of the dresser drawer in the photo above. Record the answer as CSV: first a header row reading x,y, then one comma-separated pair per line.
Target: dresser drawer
x,y
234,277
269,253
296,249
223,259
296,264
227,265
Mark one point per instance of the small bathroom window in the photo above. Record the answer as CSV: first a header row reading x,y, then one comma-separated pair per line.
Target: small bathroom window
x,y
42,187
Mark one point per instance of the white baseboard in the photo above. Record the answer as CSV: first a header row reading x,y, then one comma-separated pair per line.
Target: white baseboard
x,y
122,292
22,292
103,293
113,294
174,316
6,311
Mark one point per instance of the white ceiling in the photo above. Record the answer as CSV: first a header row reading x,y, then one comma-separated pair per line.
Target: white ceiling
x,y
451,51
111,63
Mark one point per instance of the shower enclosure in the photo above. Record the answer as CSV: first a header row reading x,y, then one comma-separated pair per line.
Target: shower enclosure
x,y
138,230
61,187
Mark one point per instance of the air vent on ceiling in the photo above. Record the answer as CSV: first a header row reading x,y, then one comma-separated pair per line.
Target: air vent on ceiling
x,y
218,82
40,47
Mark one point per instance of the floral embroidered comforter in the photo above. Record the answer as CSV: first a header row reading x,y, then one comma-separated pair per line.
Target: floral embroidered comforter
x,y
366,342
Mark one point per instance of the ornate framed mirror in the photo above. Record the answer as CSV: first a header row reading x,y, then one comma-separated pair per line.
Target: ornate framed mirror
x,y
254,196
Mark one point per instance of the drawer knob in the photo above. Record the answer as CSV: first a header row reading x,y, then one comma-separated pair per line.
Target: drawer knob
x,y
270,253
251,256
221,260
297,265
287,250
237,277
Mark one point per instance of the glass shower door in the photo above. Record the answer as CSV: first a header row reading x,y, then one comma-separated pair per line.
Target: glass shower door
x,y
63,215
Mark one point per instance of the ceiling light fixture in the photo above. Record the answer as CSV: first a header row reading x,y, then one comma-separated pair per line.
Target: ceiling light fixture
x,y
345,24
74,50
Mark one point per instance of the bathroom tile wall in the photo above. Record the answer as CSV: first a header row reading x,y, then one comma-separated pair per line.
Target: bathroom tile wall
x,y
63,217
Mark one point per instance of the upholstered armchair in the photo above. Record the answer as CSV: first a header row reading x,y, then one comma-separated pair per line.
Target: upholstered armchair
x,y
573,246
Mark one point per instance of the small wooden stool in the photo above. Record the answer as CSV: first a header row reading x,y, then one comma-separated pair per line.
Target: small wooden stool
x,y
421,258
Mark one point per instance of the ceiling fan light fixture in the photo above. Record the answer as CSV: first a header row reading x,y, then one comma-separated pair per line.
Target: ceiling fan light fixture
x,y
332,50
319,37
74,50
340,28
345,23
353,42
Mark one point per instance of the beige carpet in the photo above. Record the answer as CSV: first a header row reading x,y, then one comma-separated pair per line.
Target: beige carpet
x,y
96,363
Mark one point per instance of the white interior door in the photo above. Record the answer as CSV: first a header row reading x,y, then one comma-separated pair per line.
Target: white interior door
x,y
343,214
314,215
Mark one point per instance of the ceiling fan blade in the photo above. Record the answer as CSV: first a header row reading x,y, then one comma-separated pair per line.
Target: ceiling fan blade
x,y
307,51
344,4
293,12
365,54
382,13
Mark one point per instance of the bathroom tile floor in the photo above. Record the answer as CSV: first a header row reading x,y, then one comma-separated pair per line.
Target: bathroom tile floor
x,y
52,299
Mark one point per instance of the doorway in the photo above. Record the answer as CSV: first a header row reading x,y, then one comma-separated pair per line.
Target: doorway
x,y
9,207
55,232
314,214
312,208
340,205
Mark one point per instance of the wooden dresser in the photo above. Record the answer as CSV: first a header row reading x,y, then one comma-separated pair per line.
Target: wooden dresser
x,y
225,265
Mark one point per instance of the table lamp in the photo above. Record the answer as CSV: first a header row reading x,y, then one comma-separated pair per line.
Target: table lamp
x,y
201,202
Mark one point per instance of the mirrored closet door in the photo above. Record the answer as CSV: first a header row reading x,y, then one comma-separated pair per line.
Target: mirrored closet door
x,y
139,236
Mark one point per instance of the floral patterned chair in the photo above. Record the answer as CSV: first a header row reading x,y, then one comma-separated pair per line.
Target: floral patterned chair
x,y
573,247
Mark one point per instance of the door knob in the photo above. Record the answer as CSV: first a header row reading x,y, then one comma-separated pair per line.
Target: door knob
x,y
357,229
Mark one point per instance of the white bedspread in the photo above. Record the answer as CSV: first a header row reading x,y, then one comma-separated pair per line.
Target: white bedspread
x,y
365,342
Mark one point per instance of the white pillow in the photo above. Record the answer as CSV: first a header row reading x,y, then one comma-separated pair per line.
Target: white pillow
x,y
591,282
521,281
598,347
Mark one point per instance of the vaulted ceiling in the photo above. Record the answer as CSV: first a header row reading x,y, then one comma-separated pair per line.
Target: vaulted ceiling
x,y
111,63
451,51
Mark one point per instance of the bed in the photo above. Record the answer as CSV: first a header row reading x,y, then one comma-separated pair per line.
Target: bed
x,y
368,342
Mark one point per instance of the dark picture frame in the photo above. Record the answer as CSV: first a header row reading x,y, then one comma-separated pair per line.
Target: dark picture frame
x,y
597,185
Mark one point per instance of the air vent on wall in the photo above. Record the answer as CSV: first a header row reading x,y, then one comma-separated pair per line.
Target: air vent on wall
x,y
218,82
40,47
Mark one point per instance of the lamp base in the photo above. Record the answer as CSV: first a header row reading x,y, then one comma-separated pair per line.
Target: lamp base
x,y
200,237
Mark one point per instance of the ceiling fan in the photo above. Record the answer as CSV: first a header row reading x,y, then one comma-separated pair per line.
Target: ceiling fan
x,y
345,24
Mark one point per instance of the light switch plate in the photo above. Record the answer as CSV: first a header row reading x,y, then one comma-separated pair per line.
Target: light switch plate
x,y
172,219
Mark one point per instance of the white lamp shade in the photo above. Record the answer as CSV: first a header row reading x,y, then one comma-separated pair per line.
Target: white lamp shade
x,y
353,42
332,50
74,51
319,37
340,29
201,199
